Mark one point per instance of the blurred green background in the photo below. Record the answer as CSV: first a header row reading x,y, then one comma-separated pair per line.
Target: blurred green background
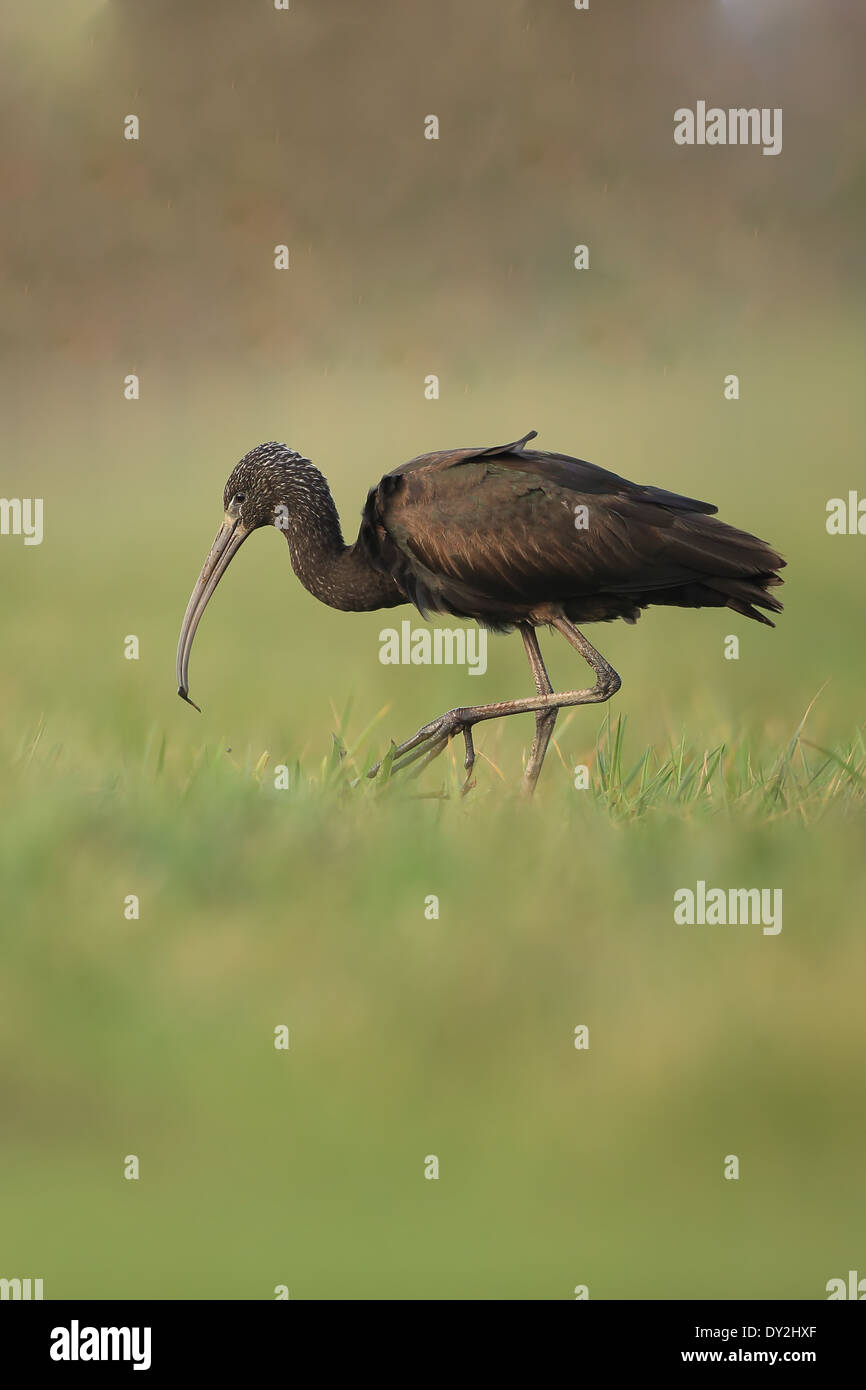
x,y
305,907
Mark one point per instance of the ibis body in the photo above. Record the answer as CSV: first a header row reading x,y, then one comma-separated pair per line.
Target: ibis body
x,y
507,536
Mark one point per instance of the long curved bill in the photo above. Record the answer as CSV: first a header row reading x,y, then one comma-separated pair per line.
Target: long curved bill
x,y
228,541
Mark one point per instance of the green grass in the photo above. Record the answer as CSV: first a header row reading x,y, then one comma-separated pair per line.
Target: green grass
x,y
306,906
411,1036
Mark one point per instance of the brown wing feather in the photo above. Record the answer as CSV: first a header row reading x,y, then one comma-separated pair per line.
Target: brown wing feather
x,y
492,533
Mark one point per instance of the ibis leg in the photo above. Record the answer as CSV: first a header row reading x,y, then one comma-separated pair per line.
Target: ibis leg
x,y
544,719
430,740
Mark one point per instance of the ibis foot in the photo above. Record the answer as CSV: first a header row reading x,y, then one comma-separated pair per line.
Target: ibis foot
x,y
431,740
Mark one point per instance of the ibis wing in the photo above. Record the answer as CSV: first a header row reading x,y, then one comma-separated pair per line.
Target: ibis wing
x,y
494,530
573,474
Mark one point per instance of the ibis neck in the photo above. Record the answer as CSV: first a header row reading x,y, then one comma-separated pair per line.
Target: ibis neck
x,y
333,572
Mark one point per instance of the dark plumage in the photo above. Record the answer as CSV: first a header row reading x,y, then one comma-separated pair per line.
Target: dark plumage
x,y
507,536
490,534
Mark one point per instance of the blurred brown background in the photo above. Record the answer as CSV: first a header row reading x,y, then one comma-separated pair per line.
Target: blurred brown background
x,y
305,127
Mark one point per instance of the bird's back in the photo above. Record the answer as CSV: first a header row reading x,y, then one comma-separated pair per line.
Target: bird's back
x,y
508,534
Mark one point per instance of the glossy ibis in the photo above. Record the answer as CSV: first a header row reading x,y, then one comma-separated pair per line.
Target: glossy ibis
x,y
508,536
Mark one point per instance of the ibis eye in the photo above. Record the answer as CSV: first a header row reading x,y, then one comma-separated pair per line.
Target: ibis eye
x,y
239,497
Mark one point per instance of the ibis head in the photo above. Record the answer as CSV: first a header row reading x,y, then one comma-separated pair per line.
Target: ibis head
x,y
259,492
